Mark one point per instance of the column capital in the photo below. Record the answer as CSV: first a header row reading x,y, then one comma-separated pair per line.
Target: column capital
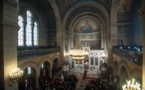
x,y
141,11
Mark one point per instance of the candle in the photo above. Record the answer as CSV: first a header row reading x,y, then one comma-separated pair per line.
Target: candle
x,y
128,85
131,85
124,87
133,81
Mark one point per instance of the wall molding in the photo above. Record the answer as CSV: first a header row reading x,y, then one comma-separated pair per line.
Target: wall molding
x,y
12,3
124,23
10,24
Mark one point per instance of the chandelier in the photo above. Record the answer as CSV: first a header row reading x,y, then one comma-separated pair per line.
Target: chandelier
x,y
78,52
16,74
131,85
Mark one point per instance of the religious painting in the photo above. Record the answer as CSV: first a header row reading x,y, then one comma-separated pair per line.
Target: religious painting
x,y
87,25
87,28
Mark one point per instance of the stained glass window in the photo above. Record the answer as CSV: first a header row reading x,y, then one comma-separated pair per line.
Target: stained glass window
x,y
42,66
35,34
21,31
29,70
28,32
29,29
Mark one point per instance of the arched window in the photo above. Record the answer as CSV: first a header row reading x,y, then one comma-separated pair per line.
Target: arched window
x,y
28,32
96,60
35,34
42,66
29,70
92,61
21,31
29,29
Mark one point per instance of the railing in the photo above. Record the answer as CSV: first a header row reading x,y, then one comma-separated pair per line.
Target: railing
x,y
33,53
132,56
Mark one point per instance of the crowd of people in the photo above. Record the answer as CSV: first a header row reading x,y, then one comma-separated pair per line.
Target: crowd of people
x,y
27,84
58,83
133,53
105,81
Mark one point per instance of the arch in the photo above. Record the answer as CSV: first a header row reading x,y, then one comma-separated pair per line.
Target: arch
x,y
110,70
80,4
123,67
59,33
93,15
115,68
56,57
123,64
55,63
44,60
30,78
50,63
29,64
123,75
33,65
95,5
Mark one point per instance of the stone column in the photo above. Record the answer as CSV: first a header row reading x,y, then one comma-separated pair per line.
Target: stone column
x,y
113,24
60,30
8,44
37,77
112,32
142,13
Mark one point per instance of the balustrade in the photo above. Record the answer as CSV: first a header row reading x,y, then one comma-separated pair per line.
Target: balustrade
x,y
33,53
129,55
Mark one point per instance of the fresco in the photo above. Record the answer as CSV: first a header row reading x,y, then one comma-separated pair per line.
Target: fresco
x,y
87,25
87,28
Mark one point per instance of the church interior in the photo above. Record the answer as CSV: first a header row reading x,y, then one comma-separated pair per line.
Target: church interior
x,y
72,44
